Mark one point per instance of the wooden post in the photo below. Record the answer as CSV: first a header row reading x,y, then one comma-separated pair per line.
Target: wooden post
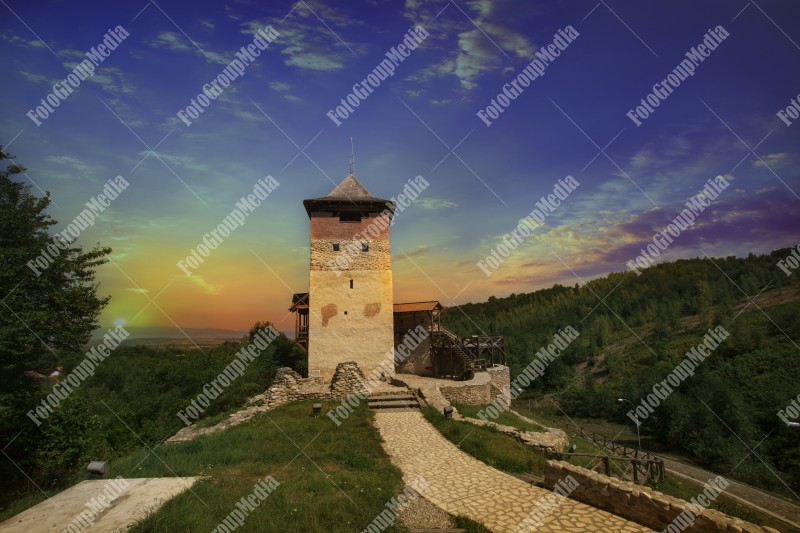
x,y
607,465
635,470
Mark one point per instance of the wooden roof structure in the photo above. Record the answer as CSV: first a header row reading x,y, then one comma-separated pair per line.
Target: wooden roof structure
x,y
349,195
299,301
412,307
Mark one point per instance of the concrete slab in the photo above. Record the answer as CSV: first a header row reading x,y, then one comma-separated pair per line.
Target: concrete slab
x,y
102,505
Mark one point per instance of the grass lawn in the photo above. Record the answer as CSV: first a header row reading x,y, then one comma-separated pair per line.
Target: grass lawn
x,y
331,479
505,418
496,449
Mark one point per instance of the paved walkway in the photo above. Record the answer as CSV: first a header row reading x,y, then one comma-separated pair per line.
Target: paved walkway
x,y
461,485
98,505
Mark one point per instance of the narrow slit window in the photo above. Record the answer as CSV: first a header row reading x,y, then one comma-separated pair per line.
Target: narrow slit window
x,y
336,247
364,247
351,283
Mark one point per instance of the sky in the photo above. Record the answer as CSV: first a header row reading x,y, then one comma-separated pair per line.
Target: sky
x,y
571,115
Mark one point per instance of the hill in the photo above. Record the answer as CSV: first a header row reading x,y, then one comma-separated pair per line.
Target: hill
x,y
635,330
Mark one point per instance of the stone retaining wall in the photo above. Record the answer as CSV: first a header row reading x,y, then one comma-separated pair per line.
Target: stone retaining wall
x,y
500,384
640,504
550,440
288,386
467,394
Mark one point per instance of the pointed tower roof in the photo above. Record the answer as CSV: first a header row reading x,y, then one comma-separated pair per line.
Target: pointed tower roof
x,y
350,188
349,195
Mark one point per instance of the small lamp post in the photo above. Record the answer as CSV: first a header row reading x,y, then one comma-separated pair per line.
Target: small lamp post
x,y
794,424
316,408
448,412
96,469
638,437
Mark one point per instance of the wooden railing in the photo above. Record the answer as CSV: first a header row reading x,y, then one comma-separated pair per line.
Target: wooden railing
x,y
646,466
641,470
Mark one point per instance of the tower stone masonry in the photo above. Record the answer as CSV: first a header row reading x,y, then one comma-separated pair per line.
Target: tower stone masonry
x,y
350,315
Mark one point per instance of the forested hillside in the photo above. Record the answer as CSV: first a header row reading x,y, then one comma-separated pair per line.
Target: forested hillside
x,y
636,329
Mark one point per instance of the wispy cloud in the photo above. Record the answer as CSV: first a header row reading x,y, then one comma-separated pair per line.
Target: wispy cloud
x,y
308,43
487,40
772,160
435,203
201,283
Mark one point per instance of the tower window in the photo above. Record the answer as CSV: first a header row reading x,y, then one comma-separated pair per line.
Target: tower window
x,y
336,247
364,247
350,216
351,283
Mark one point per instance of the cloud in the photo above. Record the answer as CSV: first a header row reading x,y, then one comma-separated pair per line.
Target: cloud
x,y
20,41
279,86
111,79
71,53
757,221
36,78
199,281
137,290
170,40
71,162
417,252
176,42
434,71
435,203
772,160
488,44
181,161
311,37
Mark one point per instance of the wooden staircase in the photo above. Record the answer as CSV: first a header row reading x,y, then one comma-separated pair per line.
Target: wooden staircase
x,y
466,364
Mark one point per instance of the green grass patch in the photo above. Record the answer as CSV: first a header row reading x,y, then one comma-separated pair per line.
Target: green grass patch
x,y
331,479
496,449
470,526
505,418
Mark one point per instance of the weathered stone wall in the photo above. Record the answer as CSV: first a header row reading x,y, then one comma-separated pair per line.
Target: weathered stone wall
x,y
350,324
418,359
549,440
288,386
468,394
500,385
640,504
378,257
347,380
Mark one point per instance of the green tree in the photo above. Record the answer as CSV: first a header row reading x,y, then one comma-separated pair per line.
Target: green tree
x,y
41,316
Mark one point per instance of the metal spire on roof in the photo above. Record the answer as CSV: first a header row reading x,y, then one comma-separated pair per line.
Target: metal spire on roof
x,y
352,158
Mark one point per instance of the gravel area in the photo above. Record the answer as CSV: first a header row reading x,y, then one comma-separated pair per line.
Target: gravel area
x,y
422,514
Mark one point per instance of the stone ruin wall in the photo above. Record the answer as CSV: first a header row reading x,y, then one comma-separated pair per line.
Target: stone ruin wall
x,y
642,505
289,386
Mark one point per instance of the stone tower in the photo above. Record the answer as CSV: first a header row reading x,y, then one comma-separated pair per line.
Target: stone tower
x,y
350,314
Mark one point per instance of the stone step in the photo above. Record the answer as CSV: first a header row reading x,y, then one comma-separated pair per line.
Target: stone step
x,y
395,404
397,410
394,397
